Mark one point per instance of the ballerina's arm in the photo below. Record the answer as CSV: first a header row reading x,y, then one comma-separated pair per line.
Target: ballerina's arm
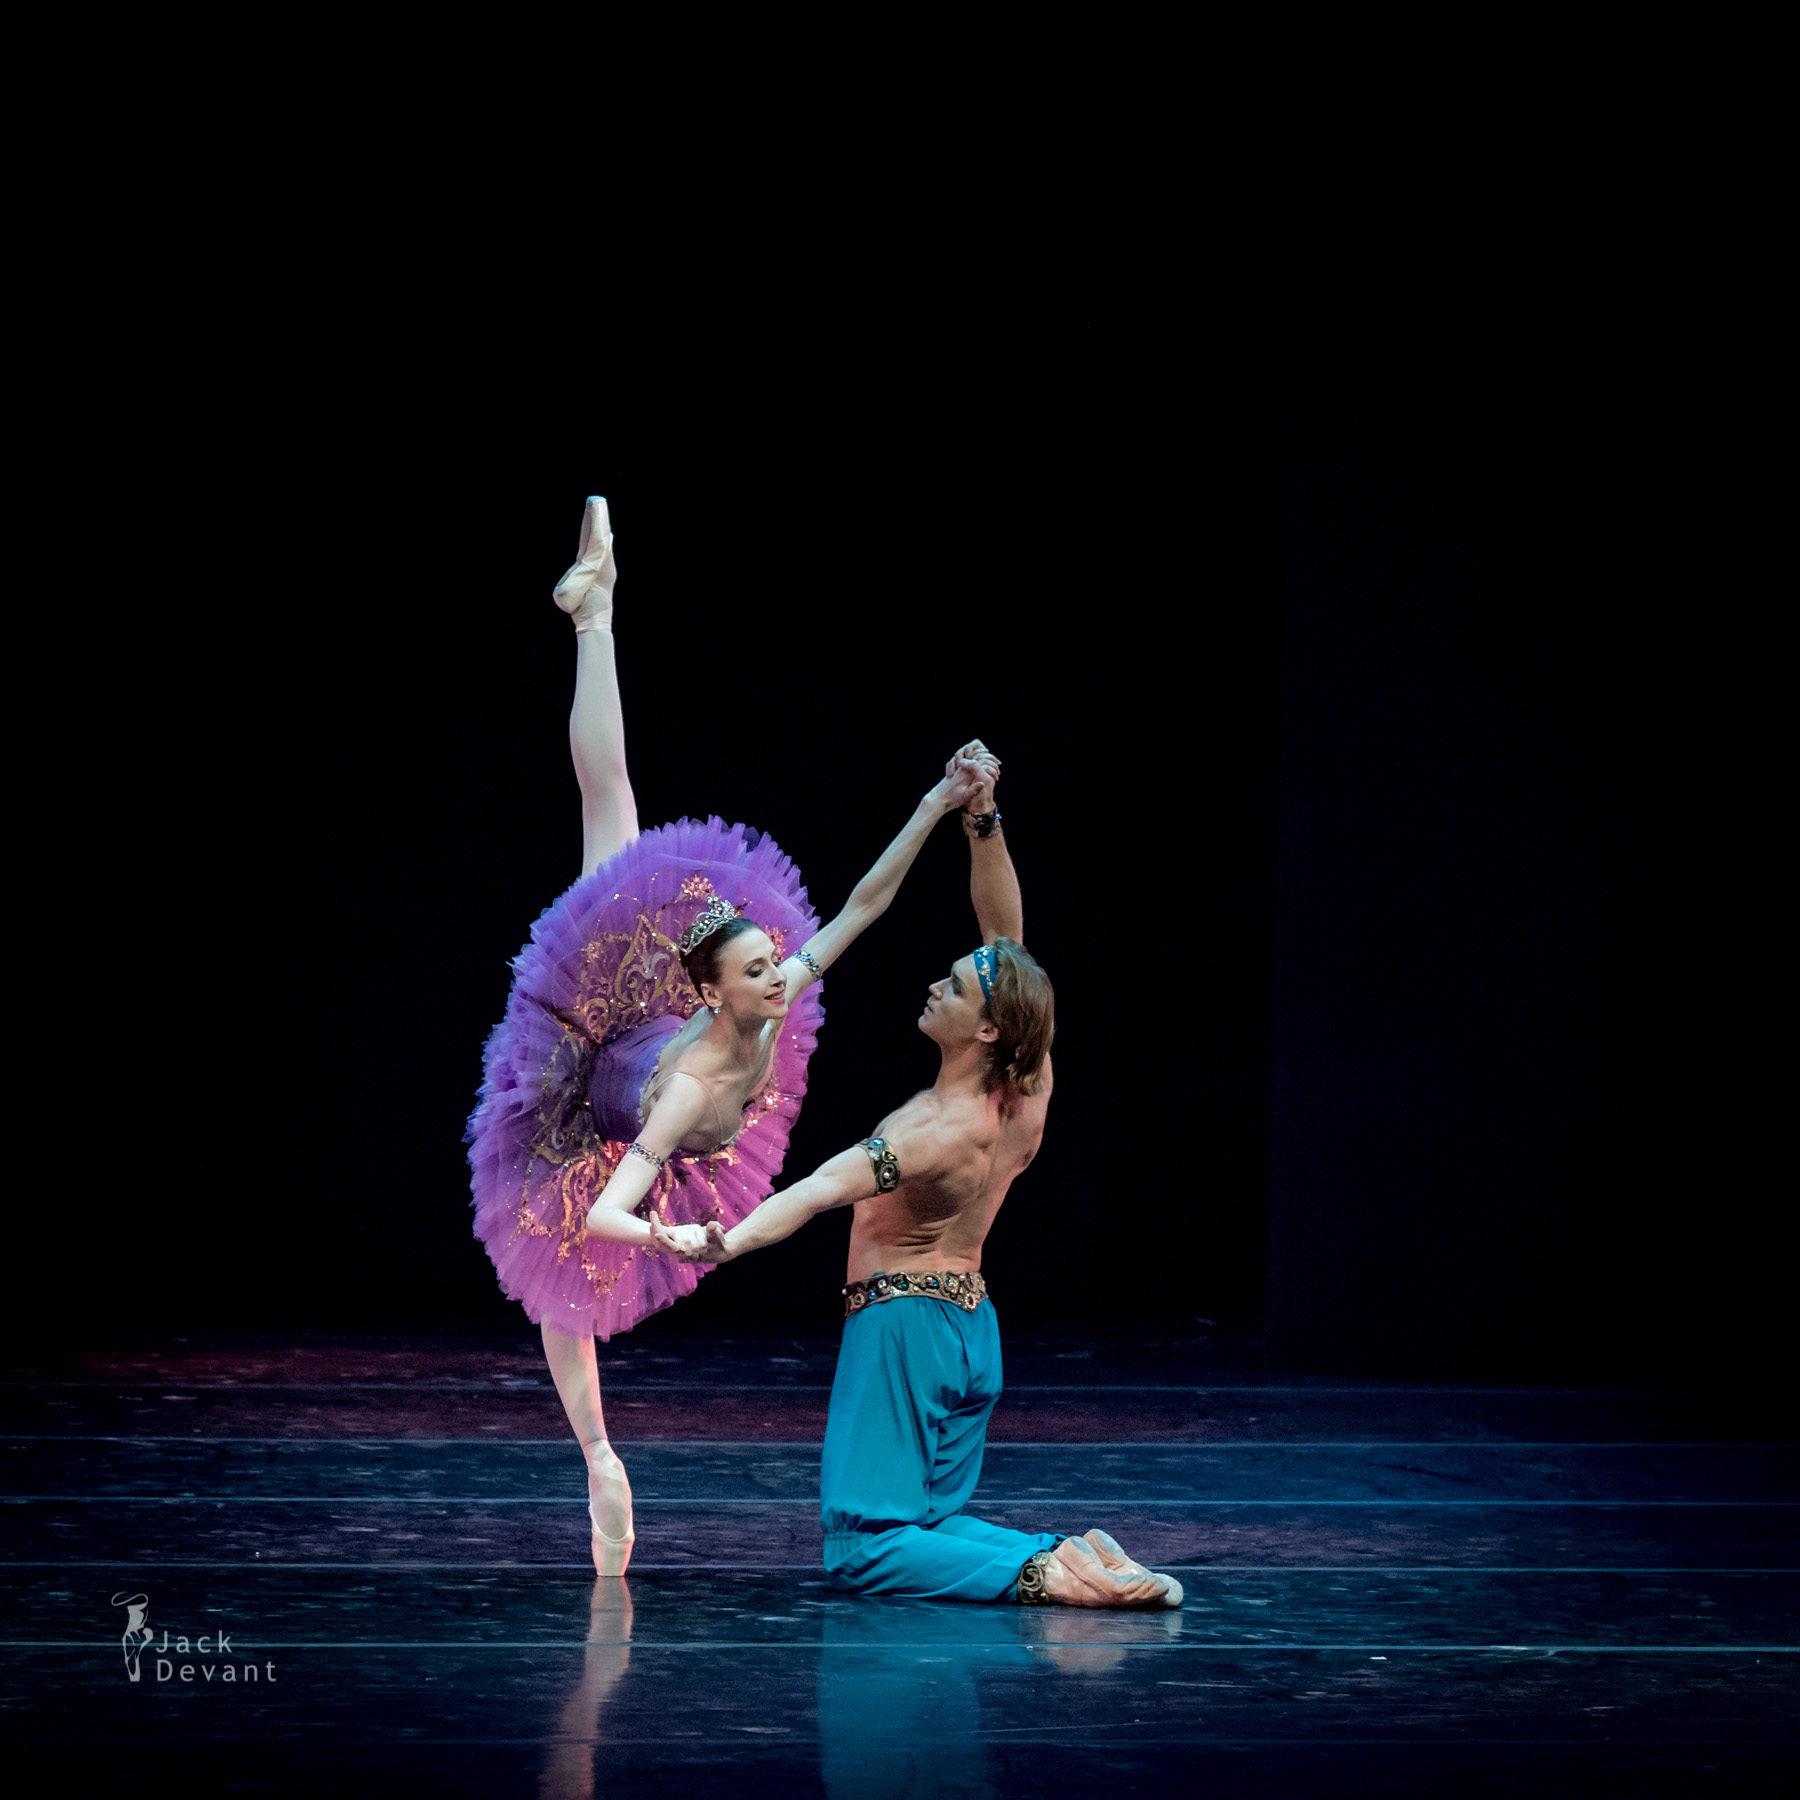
x,y
678,1109
872,896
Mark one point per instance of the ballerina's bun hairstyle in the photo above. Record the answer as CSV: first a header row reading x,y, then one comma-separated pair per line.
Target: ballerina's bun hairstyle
x,y
1022,1006
702,962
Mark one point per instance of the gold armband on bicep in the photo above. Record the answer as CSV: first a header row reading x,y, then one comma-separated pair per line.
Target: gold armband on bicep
x,y
885,1164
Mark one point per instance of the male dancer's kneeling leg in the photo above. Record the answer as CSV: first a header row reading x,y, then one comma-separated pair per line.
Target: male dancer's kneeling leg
x,y
919,1368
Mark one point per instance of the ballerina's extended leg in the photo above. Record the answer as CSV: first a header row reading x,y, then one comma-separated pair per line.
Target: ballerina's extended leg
x,y
597,721
608,824
577,1375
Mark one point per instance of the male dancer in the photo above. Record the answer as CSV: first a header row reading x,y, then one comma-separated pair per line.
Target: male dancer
x,y
919,1367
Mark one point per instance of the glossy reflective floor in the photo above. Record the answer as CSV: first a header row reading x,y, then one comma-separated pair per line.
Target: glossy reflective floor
x,y
1391,1589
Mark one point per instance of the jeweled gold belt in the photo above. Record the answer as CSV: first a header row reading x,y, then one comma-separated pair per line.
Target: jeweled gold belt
x,y
966,1291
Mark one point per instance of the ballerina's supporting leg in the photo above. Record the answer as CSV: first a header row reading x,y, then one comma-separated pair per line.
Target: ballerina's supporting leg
x,y
577,1377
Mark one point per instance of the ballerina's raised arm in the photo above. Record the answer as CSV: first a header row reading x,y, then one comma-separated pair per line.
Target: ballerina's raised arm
x,y
687,1105
968,771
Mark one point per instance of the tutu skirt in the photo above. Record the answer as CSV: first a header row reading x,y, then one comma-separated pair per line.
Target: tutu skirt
x,y
596,995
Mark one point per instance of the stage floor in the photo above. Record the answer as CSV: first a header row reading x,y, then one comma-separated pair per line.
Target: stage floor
x,y
1391,1588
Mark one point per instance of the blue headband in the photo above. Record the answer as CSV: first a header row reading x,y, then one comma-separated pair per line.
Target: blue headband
x,y
984,970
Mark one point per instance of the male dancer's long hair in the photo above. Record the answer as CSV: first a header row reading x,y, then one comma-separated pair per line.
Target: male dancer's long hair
x,y
1023,1010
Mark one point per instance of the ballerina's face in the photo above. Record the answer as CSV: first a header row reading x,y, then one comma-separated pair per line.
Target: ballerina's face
x,y
750,983
955,1013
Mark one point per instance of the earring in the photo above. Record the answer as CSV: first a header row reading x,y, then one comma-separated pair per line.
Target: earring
x,y
715,1012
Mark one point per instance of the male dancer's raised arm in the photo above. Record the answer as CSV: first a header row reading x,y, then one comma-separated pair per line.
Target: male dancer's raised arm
x,y
993,882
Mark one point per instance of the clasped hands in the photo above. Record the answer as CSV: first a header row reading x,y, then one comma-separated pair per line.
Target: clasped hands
x,y
969,777
692,1243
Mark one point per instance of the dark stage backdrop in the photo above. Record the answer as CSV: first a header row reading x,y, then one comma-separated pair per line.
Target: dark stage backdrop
x,y
1515,1103
1511,724
364,799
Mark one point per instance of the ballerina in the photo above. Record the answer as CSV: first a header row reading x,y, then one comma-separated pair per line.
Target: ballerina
x,y
653,1054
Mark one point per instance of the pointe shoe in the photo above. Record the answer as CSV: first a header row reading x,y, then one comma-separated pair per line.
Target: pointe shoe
x,y
611,1554
586,590
1116,1559
1074,1575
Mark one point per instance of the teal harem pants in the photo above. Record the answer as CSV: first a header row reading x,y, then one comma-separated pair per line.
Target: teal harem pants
x,y
916,1380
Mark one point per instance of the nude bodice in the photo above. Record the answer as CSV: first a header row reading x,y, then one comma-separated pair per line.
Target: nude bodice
x,y
699,1141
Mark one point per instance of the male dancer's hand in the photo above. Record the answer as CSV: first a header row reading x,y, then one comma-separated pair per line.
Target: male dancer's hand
x,y
987,772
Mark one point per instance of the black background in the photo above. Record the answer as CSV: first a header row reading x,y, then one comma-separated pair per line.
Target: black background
x,y
361,737
1401,573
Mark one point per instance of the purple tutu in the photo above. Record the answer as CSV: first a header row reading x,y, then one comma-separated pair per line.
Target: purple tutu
x,y
596,995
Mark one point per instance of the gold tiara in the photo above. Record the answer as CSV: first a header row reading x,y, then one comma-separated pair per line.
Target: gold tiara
x,y
721,912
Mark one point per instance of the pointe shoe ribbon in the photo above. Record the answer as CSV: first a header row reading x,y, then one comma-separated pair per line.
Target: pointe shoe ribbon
x,y
586,589
1075,1575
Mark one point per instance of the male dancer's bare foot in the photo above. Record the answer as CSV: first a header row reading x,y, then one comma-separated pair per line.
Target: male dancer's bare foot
x,y
585,592
1074,1574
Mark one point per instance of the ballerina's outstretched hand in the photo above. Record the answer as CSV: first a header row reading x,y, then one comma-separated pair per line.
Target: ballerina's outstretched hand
x,y
685,1241
713,1249
870,898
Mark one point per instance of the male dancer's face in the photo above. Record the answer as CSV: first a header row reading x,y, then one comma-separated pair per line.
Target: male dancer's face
x,y
954,1012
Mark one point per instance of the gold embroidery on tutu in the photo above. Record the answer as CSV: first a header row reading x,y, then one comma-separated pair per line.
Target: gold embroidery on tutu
x,y
614,991
619,988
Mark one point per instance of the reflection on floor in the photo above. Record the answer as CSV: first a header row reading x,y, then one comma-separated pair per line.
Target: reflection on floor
x,y
362,1565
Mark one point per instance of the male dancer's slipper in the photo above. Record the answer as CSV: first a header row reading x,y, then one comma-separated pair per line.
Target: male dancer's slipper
x,y
1116,1559
1075,1575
